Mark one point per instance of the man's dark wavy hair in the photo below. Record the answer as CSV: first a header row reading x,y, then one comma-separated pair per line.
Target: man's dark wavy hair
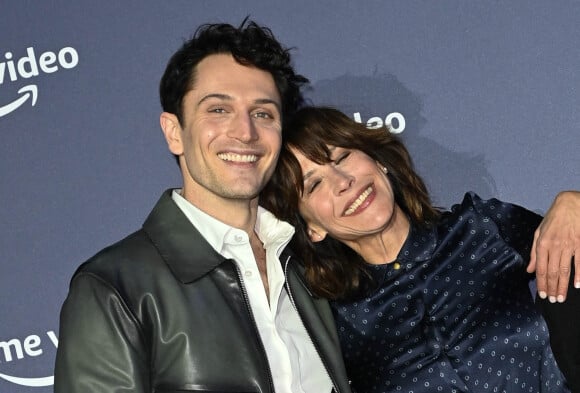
x,y
249,44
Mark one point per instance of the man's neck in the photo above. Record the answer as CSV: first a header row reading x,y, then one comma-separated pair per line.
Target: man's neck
x,y
237,213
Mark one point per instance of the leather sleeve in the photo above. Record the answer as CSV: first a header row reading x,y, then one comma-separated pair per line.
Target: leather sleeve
x,y
564,326
100,347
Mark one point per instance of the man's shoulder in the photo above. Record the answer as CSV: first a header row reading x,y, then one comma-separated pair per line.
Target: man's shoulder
x,y
125,257
132,251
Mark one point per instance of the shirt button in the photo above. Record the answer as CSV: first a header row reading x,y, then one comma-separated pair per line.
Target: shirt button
x,y
248,273
396,265
238,238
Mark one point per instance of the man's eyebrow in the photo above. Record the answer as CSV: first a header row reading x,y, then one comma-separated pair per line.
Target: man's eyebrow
x,y
219,96
226,97
266,101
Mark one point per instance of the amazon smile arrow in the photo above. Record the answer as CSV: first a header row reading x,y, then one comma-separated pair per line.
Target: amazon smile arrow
x,y
26,91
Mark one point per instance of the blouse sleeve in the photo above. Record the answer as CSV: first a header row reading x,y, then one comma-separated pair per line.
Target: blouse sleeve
x,y
516,225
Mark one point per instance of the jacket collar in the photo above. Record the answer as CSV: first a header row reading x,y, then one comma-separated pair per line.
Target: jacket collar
x,y
188,255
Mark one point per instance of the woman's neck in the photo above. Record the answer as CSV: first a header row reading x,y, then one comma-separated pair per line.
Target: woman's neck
x,y
384,247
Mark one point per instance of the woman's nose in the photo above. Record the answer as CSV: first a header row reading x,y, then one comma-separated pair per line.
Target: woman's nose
x,y
343,181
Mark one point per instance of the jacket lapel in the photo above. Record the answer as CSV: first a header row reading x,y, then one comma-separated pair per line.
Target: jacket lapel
x,y
179,243
319,322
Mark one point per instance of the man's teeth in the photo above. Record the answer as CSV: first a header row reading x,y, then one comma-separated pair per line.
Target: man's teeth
x,y
238,157
358,201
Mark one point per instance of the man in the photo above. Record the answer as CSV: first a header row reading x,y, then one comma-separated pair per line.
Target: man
x,y
556,248
205,297
562,320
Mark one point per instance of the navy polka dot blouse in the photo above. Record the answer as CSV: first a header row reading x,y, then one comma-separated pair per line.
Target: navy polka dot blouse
x,y
454,313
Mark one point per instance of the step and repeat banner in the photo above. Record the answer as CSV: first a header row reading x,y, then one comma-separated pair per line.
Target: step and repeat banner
x,y
485,94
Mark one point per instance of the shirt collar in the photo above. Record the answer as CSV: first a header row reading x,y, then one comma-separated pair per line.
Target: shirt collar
x,y
273,233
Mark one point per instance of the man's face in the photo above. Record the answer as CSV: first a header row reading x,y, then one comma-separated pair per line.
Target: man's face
x,y
231,134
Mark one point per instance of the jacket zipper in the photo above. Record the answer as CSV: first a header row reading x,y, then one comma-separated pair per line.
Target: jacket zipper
x,y
302,320
249,309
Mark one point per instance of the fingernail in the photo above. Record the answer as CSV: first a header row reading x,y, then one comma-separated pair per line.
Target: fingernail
x,y
552,299
577,285
543,294
560,299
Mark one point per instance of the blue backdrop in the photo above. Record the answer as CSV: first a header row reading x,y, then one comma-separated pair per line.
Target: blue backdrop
x,y
486,95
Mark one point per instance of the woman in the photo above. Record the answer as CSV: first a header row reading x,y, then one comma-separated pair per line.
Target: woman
x,y
424,300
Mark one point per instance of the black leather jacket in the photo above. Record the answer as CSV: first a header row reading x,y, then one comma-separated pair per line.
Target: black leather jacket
x,y
161,311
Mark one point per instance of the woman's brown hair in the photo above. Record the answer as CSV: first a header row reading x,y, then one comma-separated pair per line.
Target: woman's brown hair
x,y
333,270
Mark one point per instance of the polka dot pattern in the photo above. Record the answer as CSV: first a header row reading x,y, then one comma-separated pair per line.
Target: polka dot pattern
x,y
457,316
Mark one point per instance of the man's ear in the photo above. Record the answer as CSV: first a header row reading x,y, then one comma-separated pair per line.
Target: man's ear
x,y
172,131
316,234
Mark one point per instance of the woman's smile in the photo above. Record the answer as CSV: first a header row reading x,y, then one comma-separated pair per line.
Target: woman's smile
x,y
361,202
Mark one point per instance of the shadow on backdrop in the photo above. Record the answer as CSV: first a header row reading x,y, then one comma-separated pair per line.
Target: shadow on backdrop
x,y
448,174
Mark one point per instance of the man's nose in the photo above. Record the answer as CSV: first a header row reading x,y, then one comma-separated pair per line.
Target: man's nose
x,y
243,128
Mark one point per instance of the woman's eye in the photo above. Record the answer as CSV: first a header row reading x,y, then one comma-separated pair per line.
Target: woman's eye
x,y
341,157
313,186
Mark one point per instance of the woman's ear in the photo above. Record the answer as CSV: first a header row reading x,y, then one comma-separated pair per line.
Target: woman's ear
x,y
316,235
172,131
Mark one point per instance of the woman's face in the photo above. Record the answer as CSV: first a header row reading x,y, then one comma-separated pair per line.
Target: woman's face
x,y
348,198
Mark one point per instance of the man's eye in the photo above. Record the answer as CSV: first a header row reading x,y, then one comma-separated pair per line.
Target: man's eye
x,y
263,115
217,110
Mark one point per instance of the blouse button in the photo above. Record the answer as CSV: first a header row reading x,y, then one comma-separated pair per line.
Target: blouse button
x,y
396,265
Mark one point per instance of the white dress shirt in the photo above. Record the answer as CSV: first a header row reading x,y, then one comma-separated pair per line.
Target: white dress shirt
x,y
294,362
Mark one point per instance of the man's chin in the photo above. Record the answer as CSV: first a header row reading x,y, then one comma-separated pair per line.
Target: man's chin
x,y
241,193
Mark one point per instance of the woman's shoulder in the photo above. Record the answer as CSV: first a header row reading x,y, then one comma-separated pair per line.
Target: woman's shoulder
x,y
508,216
475,203
471,203
471,200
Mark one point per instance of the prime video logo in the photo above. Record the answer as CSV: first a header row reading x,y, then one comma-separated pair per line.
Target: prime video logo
x,y
395,127
30,66
30,346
